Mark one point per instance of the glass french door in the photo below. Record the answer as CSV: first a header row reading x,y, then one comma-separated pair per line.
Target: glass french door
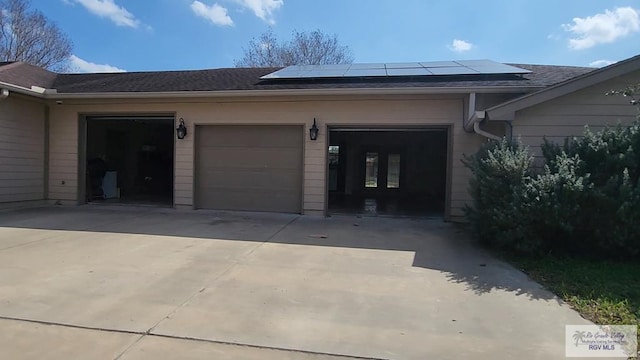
x,y
382,170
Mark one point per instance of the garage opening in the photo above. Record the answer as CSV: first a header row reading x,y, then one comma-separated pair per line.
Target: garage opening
x,y
400,172
129,159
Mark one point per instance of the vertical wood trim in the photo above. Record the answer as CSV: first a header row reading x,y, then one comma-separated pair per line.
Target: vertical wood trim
x,y
447,194
82,160
45,190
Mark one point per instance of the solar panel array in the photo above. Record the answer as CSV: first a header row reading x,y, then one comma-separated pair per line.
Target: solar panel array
x,y
460,67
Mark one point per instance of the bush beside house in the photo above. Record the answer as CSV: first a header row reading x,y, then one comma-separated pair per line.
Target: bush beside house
x,y
584,201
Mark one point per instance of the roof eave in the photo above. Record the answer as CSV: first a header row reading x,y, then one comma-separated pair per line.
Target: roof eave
x,y
22,90
507,110
292,92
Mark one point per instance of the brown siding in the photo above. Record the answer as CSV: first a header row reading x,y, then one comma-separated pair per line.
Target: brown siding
x,y
567,115
63,155
22,135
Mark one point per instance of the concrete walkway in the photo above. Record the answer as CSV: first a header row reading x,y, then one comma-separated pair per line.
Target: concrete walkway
x,y
126,283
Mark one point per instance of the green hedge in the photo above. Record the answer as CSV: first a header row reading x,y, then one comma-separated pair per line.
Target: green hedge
x,y
585,200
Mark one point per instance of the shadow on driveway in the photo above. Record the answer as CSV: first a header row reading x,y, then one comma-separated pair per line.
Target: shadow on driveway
x,y
436,245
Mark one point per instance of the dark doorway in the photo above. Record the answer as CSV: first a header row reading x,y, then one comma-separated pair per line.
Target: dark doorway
x,y
388,171
130,160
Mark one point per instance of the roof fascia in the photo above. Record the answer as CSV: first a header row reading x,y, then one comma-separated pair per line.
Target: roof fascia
x,y
22,90
290,92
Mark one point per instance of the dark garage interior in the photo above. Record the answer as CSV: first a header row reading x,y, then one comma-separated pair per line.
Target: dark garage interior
x,y
397,172
130,160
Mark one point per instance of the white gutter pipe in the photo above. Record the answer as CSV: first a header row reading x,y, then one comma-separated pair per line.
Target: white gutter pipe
x,y
18,90
4,93
475,118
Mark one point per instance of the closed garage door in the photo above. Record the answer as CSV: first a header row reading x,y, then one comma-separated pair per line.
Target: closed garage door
x,y
254,168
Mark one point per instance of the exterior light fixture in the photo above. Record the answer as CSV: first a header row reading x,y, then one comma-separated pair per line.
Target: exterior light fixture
x,y
181,130
313,131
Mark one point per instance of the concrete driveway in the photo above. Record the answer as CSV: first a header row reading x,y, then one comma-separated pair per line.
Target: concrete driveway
x,y
97,282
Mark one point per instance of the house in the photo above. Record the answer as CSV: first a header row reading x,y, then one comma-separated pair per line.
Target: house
x,y
383,138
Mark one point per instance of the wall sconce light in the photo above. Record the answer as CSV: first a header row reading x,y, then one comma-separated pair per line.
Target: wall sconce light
x,y
181,130
313,131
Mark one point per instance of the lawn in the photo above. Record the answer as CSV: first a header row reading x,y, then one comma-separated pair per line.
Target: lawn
x,y
605,292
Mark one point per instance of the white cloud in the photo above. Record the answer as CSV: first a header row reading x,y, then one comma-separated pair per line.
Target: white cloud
x,y
80,65
601,63
262,8
109,9
460,46
214,13
554,37
602,28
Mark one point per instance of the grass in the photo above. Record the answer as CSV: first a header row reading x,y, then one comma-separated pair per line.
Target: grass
x,y
605,292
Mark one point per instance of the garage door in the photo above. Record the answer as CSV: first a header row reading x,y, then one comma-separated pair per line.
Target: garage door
x,y
254,168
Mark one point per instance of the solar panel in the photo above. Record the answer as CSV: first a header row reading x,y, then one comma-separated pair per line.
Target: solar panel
x,y
286,73
301,67
408,72
403,65
500,69
474,63
452,70
329,66
324,73
431,68
377,72
366,66
431,64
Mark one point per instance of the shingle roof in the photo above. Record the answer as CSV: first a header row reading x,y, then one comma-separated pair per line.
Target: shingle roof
x,y
249,79
162,81
228,79
547,75
26,75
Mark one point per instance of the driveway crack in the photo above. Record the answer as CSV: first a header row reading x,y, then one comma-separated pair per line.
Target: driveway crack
x,y
272,236
185,338
185,302
129,347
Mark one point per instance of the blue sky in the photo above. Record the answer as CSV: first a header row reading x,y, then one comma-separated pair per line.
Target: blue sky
x,y
141,35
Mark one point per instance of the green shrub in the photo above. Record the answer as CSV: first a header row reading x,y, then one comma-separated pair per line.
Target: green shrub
x,y
626,234
585,200
610,211
605,153
500,171
552,206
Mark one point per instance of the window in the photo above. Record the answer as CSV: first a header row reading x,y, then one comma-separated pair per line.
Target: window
x,y
334,164
334,155
371,170
393,171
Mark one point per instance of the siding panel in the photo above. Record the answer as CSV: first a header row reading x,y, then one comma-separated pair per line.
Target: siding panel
x,y
22,133
567,115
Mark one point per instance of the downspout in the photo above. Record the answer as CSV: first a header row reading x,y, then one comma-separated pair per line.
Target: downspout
x,y
476,117
509,130
4,93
